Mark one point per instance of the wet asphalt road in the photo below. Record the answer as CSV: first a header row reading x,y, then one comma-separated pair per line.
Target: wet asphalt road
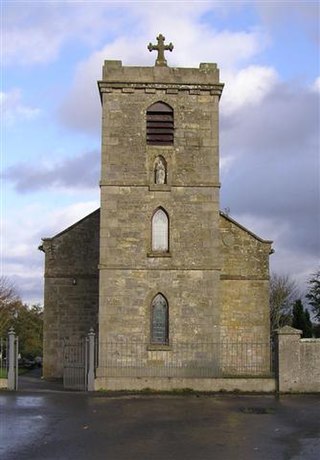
x,y
41,423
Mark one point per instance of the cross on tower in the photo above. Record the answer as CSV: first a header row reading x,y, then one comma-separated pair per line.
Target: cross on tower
x,y
161,48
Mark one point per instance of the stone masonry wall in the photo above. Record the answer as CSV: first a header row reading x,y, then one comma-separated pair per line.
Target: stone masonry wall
x,y
244,284
130,274
71,289
215,275
298,362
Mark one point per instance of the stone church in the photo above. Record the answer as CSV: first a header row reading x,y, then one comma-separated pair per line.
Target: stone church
x,y
158,267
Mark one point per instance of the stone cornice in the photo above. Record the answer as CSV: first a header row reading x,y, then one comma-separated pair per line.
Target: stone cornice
x,y
159,188
147,268
170,88
72,276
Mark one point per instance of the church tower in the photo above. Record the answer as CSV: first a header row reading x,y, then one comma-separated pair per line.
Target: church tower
x,y
159,230
172,286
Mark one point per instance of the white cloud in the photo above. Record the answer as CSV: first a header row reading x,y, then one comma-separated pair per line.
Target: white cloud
x,y
122,31
296,264
226,163
30,45
22,231
33,35
61,218
266,135
13,109
196,40
23,228
316,85
249,87
36,35
81,107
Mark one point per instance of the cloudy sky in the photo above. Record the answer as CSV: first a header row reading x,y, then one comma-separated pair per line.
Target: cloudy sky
x,y
52,54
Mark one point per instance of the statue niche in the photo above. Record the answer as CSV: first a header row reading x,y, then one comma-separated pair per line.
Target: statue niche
x,y
160,171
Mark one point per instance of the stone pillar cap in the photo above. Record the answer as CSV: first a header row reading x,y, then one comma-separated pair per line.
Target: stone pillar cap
x,y
288,330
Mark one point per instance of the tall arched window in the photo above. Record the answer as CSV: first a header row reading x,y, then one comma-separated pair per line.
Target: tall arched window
x,y
159,320
160,231
160,124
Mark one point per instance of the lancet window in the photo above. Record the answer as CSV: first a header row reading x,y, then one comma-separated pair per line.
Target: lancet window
x,y
159,320
160,231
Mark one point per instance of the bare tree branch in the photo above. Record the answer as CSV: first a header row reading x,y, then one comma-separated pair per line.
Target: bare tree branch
x,y
283,293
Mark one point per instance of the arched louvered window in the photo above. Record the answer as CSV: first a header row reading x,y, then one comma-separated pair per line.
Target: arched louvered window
x,y
160,124
159,320
160,231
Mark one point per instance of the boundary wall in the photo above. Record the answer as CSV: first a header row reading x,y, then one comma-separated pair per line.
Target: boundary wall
x,y
298,362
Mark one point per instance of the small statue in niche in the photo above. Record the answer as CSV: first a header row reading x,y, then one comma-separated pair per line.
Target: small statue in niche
x,y
160,171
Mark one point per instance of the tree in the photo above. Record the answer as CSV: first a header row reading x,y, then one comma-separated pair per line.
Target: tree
x,y
298,317
313,294
283,292
301,319
26,320
309,325
316,330
10,303
29,328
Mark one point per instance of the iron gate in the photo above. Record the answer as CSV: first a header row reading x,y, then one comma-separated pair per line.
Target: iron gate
x,y
75,365
79,363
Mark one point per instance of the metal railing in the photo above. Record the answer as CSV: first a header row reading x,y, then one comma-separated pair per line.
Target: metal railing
x,y
197,360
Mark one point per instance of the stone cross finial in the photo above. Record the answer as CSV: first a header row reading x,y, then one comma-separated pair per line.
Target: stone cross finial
x,y
161,48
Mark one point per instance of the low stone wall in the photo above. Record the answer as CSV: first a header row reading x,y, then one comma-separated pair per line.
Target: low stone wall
x,y
298,371
298,362
245,385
